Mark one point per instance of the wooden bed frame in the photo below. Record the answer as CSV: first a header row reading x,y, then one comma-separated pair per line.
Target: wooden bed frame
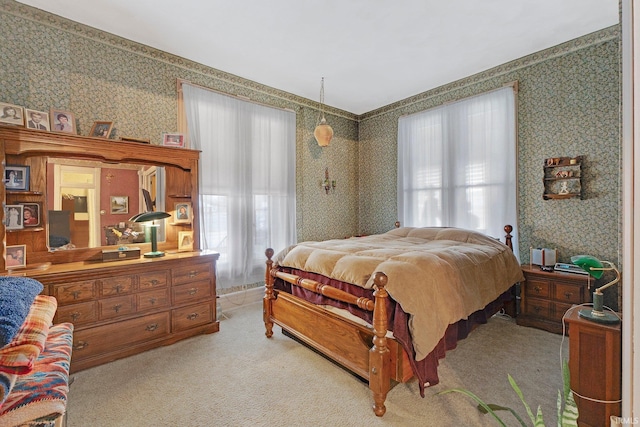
x,y
369,354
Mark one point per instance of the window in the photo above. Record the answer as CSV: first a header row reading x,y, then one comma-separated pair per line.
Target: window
x,y
457,165
247,181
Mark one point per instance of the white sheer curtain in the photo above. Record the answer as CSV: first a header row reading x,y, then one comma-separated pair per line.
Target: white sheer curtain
x,y
457,165
247,181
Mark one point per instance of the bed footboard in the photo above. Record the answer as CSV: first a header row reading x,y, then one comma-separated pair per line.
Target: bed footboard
x,y
369,358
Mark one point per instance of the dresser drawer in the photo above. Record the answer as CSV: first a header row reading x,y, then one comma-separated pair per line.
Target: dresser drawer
x,y
567,293
117,285
191,292
149,300
107,338
116,306
537,307
78,314
190,317
192,273
75,292
156,279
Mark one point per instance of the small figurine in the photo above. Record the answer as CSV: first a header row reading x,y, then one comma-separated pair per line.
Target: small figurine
x,y
564,189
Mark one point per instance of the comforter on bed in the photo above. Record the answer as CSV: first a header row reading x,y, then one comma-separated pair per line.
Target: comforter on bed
x,y
437,275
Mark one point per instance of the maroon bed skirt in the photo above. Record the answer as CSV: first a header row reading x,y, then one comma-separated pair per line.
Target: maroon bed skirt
x,y
426,370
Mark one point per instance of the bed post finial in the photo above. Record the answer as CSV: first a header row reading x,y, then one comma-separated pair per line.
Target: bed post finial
x,y
397,224
268,295
507,239
379,355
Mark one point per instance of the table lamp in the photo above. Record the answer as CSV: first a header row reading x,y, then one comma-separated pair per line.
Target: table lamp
x,y
151,216
596,268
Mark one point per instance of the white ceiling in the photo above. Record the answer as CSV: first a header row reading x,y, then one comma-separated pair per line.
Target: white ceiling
x,y
370,52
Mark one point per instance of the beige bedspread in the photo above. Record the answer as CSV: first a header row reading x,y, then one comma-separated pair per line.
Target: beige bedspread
x,y
437,275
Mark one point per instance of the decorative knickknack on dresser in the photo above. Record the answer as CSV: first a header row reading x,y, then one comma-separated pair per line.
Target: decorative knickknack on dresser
x,y
127,306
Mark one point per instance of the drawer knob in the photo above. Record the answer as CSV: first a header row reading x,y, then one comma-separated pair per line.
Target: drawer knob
x,y
193,274
568,295
81,345
192,316
538,289
537,309
193,291
152,301
117,307
76,294
118,288
75,316
152,327
155,282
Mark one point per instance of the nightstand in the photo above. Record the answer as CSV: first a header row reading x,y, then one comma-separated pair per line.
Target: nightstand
x,y
595,367
547,295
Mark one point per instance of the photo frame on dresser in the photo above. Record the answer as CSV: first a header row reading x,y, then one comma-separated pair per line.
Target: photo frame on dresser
x,y
16,177
13,217
38,120
185,241
30,214
16,256
101,129
11,114
184,213
62,121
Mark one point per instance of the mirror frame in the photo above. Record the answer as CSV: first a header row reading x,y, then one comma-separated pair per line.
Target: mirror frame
x,y
32,148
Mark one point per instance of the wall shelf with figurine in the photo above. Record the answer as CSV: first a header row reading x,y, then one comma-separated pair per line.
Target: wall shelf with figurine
x,y
562,178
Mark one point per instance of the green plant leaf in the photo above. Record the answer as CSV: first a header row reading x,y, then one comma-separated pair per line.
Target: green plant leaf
x,y
537,420
501,408
567,408
478,400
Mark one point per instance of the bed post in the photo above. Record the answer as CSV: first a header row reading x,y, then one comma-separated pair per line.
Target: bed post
x,y
507,238
379,355
268,295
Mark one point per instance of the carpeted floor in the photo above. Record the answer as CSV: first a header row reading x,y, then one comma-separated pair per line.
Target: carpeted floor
x,y
238,377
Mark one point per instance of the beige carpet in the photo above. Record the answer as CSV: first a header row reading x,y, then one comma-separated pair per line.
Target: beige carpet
x,y
238,377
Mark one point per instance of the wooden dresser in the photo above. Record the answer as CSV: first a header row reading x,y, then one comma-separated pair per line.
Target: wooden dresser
x,y
126,307
546,296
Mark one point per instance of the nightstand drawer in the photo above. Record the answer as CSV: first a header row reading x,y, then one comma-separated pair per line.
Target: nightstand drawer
x,y
536,288
537,307
568,294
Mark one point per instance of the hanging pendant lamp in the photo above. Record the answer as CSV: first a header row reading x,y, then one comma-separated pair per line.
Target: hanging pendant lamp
x,y
323,132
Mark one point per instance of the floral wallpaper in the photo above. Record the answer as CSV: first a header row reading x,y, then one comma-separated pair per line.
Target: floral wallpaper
x,y
568,104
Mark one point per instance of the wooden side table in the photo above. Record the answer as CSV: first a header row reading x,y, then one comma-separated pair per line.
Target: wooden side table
x,y
595,366
547,295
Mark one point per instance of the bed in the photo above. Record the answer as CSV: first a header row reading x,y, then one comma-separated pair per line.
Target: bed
x,y
388,306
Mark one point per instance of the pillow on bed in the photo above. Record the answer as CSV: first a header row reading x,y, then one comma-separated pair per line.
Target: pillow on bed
x,y
16,296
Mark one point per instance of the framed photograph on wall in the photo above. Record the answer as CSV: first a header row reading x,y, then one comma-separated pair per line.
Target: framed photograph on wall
x,y
13,217
173,140
119,204
62,121
30,214
16,256
16,177
11,114
184,212
101,129
37,119
185,241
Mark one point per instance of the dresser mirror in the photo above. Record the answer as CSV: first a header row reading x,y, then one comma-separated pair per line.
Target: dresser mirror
x,y
89,203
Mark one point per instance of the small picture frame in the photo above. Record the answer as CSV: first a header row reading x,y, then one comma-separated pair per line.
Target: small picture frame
x,y
30,214
173,140
119,204
101,129
11,114
13,217
16,177
37,119
183,213
185,241
62,121
16,257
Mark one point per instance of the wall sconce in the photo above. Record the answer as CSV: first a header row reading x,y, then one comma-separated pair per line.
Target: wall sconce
x,y
328,184
323,132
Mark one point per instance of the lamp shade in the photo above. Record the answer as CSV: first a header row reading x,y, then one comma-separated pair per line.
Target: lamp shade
x,y
149,216
323,133
590,264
